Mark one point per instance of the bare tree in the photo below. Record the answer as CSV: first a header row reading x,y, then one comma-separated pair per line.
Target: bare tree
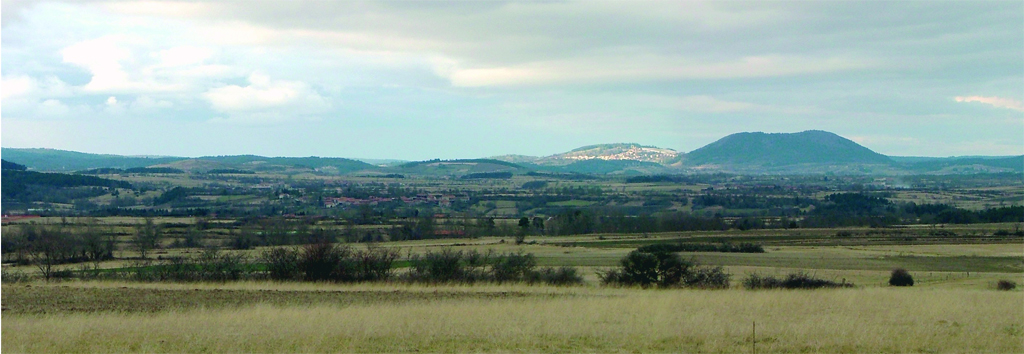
x,y
50,247
17,244
147,237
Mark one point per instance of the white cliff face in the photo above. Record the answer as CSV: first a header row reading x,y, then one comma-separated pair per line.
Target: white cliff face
x,y
614,152
634,152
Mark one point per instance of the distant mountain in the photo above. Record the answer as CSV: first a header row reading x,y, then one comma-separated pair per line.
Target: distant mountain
x,y
62,160
760,150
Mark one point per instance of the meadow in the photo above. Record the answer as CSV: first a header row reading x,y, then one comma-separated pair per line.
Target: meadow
x,y
953,306
269,317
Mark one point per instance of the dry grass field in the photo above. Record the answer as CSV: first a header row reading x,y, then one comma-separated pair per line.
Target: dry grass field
x,y
952,308
267,317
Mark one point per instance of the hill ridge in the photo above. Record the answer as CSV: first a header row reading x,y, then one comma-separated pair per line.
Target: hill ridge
x,y
810,151
782,149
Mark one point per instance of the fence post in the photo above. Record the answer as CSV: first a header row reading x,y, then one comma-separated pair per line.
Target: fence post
x,y
753,337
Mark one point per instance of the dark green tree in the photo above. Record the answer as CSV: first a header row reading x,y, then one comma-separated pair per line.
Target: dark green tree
x,y
524,228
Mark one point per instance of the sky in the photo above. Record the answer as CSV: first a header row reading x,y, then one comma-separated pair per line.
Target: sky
x,y
418,80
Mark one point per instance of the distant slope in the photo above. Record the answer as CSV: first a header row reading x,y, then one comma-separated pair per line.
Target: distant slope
x,y
269,164
974,164
915,159
606,167
7,165
455,167
782,149
382,162
61,160
518,159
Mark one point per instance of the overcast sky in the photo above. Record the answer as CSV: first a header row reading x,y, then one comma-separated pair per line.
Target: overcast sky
x,y
421,80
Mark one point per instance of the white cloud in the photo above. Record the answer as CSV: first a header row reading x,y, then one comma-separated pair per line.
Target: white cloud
x,y
1000,102
239,33
263,93
104,58
53,107
101,57
16,86
710,67
183,56
711,104
640,67
28,96
260,118
487,45
112,106
21,86
160,8
704,103
205,71
143,103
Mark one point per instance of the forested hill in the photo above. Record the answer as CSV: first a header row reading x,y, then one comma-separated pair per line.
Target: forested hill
x,y
782,149
62,160
7,165
67,161
19,183
261,163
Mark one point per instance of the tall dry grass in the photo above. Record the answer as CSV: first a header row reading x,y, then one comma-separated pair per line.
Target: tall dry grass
x,y
593,320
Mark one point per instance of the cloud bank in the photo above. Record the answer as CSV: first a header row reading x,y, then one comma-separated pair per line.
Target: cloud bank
x,y
1000,102
420,80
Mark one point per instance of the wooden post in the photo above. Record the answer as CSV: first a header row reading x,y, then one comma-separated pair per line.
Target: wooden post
x,y
753,338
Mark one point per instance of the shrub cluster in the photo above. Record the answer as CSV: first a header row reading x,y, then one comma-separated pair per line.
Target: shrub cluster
x,y
1007,285
901,277
210,265
13,276
799,280
325,261
664,269
702,247
450,266
561,276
